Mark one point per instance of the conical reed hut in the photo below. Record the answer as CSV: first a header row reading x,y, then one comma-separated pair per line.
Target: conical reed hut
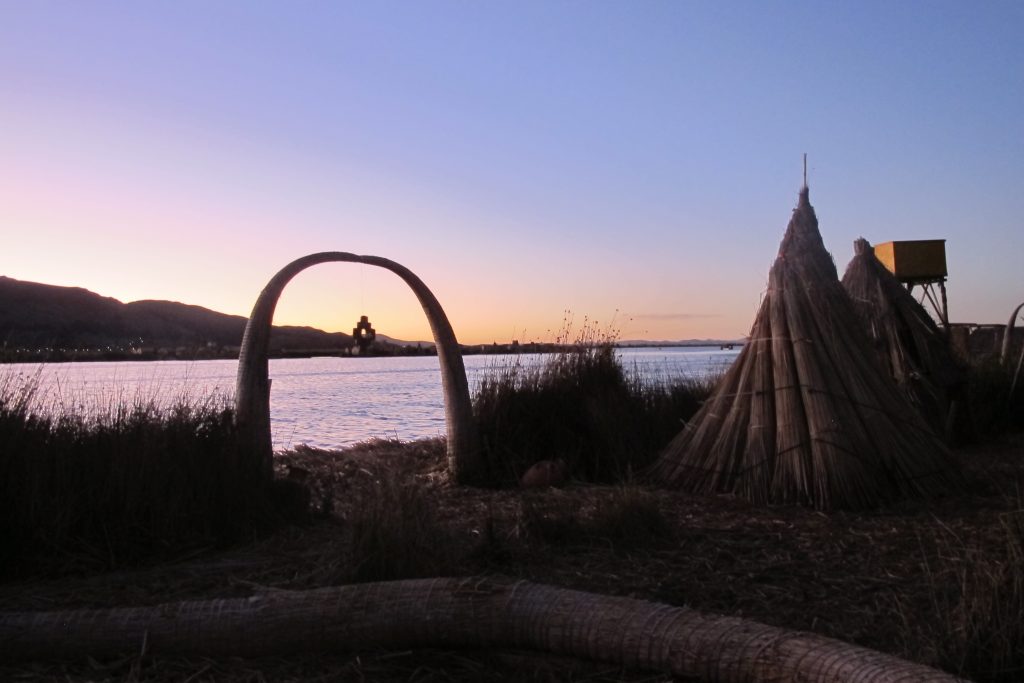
x,y
806,414
907,340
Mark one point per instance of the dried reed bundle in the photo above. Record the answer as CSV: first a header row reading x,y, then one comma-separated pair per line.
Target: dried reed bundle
x,y
909,343
806,414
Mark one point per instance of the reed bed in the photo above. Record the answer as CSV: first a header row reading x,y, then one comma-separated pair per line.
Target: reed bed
x,y
582,406
893,578
141,479
397,533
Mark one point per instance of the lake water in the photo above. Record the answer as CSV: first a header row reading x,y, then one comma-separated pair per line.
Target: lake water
x,y
326,402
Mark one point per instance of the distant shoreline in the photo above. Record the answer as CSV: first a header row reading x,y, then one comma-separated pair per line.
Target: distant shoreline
x,y
23,356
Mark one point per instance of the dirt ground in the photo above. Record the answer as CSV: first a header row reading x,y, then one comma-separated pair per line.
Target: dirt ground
x,y
887,578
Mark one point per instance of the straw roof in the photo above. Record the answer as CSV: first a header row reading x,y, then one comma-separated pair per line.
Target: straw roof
x,y
806,414
908,342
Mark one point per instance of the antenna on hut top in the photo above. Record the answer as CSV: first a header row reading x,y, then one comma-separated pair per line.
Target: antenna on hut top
x,y
805,169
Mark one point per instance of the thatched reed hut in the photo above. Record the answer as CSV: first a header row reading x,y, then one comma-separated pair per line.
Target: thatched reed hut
x,y
806,414
909,343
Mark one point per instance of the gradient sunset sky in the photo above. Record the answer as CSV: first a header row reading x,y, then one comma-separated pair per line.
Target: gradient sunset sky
x,y
634,162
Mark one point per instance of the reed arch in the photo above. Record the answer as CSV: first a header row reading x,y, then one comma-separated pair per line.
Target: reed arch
x,y
1004,354
252,387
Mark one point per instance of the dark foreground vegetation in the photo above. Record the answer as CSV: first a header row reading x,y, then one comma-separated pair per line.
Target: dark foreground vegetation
x,y
138,481
582,406
149,505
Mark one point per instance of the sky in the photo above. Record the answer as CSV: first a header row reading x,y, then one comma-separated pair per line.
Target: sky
x,y
632,163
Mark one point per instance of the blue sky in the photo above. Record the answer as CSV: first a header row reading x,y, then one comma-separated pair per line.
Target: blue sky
x,y
633,162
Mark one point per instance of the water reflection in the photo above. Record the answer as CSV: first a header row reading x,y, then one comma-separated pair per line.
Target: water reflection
x,y
324,402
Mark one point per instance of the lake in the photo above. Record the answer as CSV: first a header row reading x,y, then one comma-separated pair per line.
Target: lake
x,y
326,402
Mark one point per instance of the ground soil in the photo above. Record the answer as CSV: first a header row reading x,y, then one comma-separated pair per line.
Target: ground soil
x,y
887,578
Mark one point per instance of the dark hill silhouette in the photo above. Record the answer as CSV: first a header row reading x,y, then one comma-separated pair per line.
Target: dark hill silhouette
x,y
39,315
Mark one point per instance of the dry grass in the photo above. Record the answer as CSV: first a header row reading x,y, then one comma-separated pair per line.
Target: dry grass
x,y
906,579
977,599
396,533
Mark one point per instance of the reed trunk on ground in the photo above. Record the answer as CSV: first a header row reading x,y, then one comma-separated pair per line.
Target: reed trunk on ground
x,y
473,612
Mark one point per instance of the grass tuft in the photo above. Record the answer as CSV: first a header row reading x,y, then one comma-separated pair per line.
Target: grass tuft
x,y
580,405
396,533
631,517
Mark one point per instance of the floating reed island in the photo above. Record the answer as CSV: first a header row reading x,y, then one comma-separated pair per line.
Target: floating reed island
x,y
812,412
807,414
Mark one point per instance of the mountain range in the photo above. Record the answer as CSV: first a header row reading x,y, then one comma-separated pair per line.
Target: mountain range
x,y
34,315
37,317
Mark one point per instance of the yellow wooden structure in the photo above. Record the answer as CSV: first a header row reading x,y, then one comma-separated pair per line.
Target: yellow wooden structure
x,y
914,259
919,262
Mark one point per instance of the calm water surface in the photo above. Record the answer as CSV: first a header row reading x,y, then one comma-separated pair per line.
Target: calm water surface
x,y
327,402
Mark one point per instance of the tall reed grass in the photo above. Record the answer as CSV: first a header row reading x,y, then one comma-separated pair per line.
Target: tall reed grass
x,y
138,479
581,405
996,397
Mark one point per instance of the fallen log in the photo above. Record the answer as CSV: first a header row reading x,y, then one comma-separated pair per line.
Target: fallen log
x,y
473,612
